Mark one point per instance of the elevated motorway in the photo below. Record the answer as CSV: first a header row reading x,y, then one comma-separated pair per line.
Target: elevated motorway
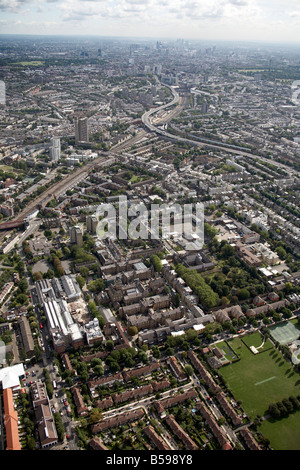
x,y
146,116
197,142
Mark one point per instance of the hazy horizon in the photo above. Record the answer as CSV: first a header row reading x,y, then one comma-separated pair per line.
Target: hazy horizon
x,y
216,20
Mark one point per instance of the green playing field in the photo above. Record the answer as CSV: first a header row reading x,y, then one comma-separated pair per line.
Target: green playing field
x,y
260,379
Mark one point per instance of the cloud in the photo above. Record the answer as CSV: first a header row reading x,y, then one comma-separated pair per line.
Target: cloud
x,y
151,11
12,6
185,18
239,3
294,14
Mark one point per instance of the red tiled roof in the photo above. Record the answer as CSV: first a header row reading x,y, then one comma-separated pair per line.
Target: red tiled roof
x,y
10,421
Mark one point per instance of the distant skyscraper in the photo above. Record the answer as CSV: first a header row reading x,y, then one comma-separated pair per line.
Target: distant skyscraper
x,y
205,107
81,130
157,69
55,149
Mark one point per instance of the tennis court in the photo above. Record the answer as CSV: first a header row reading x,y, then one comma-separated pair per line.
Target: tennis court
x,y
285,333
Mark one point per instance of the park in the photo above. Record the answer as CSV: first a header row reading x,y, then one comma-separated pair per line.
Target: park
x,y
260,379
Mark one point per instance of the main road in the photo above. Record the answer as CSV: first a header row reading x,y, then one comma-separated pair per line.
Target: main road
x,y
178,103
200,142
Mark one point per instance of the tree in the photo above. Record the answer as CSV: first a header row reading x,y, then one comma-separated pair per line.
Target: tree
x,y
169,351
84,271
132,330
21,299
37,276
156,262
176,300
113,366
58,269
109,345
96,286
30,443
143,357
226,269
189,370
98,370
81,281
23,285
209,230
196,282
156,352
243,294
191,335
95,415
227,251
281,252
93,308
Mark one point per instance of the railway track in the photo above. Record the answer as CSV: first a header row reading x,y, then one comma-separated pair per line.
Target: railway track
x,y
56,188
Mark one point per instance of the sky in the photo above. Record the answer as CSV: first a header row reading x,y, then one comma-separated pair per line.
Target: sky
x,y
242,20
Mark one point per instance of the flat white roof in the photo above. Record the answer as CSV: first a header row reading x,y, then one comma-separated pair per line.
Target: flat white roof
x,y
10,376
177,333
199,327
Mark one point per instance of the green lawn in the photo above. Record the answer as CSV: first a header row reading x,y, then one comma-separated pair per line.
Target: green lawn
x,y
137,179
33,63
260,379
257,340
229,353
283,434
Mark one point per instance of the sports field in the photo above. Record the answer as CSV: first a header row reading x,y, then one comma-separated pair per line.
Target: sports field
x,y
260,379
283,434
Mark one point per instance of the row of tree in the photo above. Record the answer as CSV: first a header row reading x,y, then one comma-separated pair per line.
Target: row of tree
x,y
195,281
283,408
156,262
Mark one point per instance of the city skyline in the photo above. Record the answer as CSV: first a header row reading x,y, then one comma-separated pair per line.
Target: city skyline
x,y
234,20
149,240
